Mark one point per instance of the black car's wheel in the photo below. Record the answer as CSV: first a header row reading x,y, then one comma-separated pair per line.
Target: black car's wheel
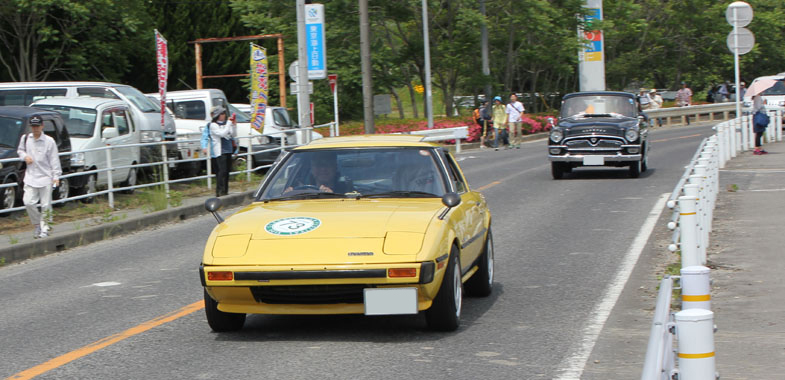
x,y
445,313
8,197
635,169
63,191
131,180
645,164
220,321
557,170
481,284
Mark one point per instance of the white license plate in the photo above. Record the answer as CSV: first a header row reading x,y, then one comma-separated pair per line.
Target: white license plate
x,y
389,301
593,160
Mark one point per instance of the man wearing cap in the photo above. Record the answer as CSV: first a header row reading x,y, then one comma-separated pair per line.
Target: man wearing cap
x,y
684,98
644,99
39,152
220,147
656,103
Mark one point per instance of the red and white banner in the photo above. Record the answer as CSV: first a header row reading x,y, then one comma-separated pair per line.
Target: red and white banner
x,y
162,57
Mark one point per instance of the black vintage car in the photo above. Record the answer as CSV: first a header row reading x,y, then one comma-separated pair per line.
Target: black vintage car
x,y
601,128
14,122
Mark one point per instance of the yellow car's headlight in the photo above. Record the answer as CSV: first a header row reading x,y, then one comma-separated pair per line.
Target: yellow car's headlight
x,y
402,243
231,245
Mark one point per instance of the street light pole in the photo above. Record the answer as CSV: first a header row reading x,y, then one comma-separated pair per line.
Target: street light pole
x,y
303,98
365,55
426,45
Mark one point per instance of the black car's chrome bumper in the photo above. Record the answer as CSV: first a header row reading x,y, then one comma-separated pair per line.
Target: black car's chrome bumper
x,y
607,157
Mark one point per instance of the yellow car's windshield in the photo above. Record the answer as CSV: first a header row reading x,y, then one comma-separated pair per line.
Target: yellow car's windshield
x,y
356,172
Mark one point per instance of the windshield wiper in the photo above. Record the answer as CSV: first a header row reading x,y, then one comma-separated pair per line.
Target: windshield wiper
x,y
310,195
401,194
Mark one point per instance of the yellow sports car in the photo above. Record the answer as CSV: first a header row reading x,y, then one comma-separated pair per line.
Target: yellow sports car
x,y
375,225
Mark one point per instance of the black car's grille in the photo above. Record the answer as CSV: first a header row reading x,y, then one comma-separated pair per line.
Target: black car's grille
x,y
309,294
594,143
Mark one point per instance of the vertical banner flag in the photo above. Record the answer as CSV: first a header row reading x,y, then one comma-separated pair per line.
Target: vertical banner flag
x,y
258,86
314,36
591,57
162,57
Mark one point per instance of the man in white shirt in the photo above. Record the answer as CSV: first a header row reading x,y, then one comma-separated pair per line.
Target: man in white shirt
x,y
39,152
514,111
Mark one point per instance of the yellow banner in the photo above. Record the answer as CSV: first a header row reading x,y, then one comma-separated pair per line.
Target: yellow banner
x,y
259,74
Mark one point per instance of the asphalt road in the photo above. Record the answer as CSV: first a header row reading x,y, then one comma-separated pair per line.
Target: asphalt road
x,y
96,310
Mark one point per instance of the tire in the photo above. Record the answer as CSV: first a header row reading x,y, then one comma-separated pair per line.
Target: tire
x,y
220,321
63,191
8,197
635,169
481,284
645,164
89,187
445,313
557,170
131,180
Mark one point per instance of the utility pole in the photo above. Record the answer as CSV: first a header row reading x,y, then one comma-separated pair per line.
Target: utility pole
x,y
426,43
365,54
486,70
303,98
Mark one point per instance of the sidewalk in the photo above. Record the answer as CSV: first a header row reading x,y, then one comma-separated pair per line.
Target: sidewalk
x,y
748,287
22,246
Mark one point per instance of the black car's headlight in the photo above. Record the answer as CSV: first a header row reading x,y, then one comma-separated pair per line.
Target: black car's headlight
x,y
557,135
631,134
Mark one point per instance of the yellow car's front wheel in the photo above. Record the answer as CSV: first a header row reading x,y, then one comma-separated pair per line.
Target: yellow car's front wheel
x,y
445,314
221,321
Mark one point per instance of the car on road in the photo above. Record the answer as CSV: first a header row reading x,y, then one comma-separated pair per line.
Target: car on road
x,y
96,123
374,225
772,97
601,128
14,123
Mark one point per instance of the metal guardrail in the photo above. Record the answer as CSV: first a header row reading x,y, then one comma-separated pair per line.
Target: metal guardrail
x,y
659,362
442,134
701,113
164,166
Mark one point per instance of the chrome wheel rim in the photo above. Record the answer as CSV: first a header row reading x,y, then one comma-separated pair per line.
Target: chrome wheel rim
x,y
9,195
489,251
458,289
63,189
91,184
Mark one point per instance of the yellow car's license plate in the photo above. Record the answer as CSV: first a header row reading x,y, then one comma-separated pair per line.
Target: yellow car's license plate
x,y
389,301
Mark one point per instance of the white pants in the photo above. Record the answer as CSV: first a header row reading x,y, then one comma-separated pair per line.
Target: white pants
x,y
31,198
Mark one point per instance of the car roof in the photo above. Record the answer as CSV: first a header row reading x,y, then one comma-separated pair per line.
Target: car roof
x,y
188,93
780,76
610,93
366,141
14,85
23,112
81,102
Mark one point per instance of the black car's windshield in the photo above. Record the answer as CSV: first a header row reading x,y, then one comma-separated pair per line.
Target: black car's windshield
x,y
80,122
599,105
356,172
10,131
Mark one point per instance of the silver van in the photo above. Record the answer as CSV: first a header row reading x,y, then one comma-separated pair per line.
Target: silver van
x,y
146,112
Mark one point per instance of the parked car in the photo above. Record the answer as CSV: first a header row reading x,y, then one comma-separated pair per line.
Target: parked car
x,y
378,224
772,97
95,123
600,128
146,113
14,123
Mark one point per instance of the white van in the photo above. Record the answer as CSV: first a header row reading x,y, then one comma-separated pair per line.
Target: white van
x,y
94,123
191,110
773,97
146,113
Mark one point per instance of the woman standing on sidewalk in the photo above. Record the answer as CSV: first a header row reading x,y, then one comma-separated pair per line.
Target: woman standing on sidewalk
x,y
221,134
760,121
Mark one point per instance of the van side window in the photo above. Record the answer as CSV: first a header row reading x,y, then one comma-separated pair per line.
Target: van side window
x,y
27,96
120,122
96,92
190,109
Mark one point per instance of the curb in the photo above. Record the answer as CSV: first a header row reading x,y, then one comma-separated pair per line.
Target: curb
x,y
72,239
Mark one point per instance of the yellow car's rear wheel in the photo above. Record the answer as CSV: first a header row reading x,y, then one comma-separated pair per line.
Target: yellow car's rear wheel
x,y
445,313
221,321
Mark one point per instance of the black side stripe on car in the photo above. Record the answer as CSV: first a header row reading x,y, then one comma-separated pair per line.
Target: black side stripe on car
x,y
473,238
310,274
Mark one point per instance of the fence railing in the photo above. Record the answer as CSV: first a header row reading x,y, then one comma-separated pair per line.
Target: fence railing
x,y
163,166
701,113
442,134
693,201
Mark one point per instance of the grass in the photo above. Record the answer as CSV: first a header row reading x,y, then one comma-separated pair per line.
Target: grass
x,y
13,240
2,261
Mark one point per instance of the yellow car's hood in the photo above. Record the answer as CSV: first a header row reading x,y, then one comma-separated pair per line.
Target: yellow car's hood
x,y
331,219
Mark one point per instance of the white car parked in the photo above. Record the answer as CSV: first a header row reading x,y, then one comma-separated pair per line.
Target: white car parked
x,y
95,123
773,97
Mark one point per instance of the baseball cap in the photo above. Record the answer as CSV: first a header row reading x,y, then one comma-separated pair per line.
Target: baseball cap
x,y
36,121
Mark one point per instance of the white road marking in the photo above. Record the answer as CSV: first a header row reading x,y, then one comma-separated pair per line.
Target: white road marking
x,y
108,283
571,368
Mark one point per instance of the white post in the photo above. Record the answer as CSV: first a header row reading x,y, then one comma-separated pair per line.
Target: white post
x,y
728,141
165,167
692,189
751,132
721,144
745,133
688,226
109,181
770,127
778,123
695,288
249,158
335,109
209,169
695,333
458,145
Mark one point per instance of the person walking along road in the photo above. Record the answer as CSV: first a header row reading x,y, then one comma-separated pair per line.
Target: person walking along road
x,y
500,123
514,111
684,98
40,154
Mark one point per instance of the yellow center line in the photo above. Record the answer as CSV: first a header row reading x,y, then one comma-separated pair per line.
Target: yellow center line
x,y
676,138
105,342
488,186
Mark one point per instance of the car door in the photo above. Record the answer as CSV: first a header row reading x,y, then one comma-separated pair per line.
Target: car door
x,y
472,228
116,118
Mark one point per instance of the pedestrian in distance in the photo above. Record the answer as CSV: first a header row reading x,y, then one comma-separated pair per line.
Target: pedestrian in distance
x,y
760,121
684,98
724,92
217,140
644,100
500,123
742,90
656,103
514,111
39,153
483,118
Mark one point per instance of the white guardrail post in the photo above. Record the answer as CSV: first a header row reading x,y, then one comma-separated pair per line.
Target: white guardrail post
x,y
109,181
745,133
688,227
778,123
695,332
165,169
695,288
